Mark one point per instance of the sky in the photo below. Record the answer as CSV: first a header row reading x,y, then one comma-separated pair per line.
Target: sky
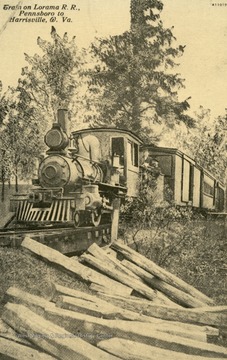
x,y
198,24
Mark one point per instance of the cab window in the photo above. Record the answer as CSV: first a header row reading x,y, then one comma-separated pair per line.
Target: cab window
x,y
118,149
133,153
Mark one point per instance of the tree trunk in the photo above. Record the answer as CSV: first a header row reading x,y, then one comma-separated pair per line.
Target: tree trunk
x,y
3,176
16,181
3,189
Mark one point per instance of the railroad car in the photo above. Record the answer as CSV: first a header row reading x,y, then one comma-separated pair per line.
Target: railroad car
x,y
84,176
190,184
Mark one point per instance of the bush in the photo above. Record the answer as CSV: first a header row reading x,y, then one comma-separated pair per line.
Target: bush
x,y
179,239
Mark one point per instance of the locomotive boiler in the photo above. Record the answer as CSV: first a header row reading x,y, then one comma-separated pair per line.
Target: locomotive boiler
x,y
80,177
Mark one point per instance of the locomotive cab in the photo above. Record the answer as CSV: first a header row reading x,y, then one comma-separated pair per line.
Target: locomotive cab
x,y
120,157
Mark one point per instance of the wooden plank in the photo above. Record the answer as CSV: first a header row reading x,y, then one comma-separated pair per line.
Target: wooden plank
x,y
100,305
92,327
130,314
158,271
101,310
51,338
73,321
35,303
71,265
168,313
172,292
221,309
8,333
110,251
102,255
21,352
111,312
94,306
125,279
131,350
110,290
138,305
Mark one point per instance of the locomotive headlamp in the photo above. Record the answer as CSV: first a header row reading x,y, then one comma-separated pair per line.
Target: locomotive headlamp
x,y
56,138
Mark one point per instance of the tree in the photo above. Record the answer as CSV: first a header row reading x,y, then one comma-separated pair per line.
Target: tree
x,y
52,79
20,137
5,168
134,74
209,150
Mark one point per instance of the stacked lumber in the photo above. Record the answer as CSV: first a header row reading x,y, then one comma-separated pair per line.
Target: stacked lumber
x,y
166,319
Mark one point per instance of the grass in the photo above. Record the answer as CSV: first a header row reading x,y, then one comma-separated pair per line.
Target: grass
x,y
23,270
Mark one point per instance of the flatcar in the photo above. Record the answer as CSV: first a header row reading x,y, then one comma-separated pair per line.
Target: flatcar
x,y
83,176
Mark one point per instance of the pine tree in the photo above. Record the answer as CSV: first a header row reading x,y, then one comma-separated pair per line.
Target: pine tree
x,y
134,75
51,80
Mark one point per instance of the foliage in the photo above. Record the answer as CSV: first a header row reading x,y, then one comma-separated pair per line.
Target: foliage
x,y
52,79
192,247
134,72
205,142
165,225
49,82
209,150
20,136
186,242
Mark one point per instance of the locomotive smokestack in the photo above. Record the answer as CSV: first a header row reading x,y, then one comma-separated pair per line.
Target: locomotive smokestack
x,y
63,121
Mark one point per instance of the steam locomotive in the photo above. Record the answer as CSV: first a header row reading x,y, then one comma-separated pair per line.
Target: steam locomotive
x,y
84,175
81,176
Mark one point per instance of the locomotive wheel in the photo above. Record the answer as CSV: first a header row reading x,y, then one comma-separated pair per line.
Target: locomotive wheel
x,y
77,219
96,217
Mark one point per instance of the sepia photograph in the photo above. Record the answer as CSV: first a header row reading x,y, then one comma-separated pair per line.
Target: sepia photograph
x,y
113,181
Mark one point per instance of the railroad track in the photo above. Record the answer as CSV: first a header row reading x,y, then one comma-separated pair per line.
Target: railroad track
x,y
64,239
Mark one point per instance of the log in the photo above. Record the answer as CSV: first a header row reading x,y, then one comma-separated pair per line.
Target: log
x,y
131,350
81,271
111,290
36,303
93,329
130,315
51,338
168,313
96,307
100,254
8,333
172,292
126,280
17,351
161,273
107,312
102,309
110,251
221,309
124,313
